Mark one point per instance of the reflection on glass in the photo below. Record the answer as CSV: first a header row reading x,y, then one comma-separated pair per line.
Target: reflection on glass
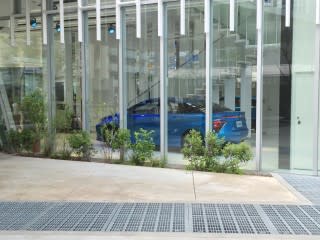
x,y
67,82
288,87
21,71
142,75
142,72
103,72
186,72
233,71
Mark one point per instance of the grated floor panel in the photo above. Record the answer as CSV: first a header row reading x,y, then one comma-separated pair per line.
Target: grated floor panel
x,y
308,186
160,217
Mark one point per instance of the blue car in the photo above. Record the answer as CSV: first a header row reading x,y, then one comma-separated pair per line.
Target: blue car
x,y
183,115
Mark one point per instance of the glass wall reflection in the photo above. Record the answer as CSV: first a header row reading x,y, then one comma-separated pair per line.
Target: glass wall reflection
x,y
234,72
143,72
21,70
288,86
186,74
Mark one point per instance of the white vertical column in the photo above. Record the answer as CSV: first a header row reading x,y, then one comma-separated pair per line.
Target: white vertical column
x,y
183,17
12,25
61,11
44,22
246,94
98,19
138,18
12,28
317,12
208,32
230,92
231,15
259,84
316,93
80,21
162,30
28,27
206,16
288,12
160,18
121,31
118,20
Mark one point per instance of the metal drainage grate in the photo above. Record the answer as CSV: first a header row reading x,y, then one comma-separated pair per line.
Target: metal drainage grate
x,y
308,186
160,217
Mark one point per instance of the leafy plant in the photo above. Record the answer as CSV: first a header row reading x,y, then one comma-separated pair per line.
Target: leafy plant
x,y
215,155
142,149
14,141
81,145
193,150
20,140
236,154
27,139
33,108
64,119
115,140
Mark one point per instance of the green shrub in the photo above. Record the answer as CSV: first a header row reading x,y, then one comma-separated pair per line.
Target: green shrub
x,y
115,140
81,145
63,120
33,107
20,141
27,139
215,155
14,141
142,149
236,154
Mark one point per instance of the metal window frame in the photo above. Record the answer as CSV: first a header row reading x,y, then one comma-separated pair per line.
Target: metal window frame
x,y
123,102
162,31
209,37
259,86
316,93
28,27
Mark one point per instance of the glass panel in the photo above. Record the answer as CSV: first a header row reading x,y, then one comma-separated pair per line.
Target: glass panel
x,y
103,73
234,73
142,71
288,86
67,60
186,74
21,71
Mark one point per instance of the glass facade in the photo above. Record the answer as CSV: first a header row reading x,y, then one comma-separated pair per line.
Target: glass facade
x,y
268,100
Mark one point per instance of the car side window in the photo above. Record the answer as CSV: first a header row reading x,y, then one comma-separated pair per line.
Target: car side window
x,y
147,108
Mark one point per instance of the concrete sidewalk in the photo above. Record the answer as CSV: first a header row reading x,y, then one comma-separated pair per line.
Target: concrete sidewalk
x,y
32,179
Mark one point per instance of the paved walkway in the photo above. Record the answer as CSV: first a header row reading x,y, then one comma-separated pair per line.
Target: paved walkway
x,y
80,200
32,179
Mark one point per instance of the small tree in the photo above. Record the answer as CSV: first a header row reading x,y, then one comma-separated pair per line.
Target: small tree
x,y
142,149
193,150
115,140
33,107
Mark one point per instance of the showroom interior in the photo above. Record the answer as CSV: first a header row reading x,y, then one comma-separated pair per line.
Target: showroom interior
x,y
104,57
